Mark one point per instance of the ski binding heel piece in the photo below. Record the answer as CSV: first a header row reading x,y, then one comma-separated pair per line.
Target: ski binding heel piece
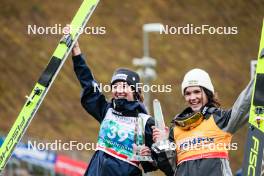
x,y
259,111
37,91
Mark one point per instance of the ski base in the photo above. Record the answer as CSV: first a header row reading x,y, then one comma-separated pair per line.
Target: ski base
x,y
45,81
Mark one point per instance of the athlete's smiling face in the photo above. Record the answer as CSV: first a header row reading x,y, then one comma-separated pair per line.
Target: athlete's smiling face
x,y
195,97
121,90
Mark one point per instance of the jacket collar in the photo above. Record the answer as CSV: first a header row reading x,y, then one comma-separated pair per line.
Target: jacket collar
x,y
123,107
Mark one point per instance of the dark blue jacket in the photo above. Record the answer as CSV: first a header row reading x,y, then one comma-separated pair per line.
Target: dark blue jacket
x,y
95,103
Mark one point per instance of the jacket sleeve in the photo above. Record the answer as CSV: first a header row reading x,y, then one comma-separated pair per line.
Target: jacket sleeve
x,y
166,160
230,120
148,166
92,99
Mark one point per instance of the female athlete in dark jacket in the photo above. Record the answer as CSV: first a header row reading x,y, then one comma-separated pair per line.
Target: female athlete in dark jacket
x,y
119,119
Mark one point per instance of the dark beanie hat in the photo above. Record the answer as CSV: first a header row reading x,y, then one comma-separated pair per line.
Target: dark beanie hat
x,y
126,75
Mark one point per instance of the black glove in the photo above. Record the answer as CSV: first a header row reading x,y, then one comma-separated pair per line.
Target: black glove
x,y
165,157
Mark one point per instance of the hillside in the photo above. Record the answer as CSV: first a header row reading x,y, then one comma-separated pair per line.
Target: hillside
x,y
23,57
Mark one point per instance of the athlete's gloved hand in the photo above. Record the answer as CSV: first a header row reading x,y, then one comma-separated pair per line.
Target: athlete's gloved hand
x,y
76,49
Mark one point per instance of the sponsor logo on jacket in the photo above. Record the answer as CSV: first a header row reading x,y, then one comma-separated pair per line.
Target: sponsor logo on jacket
x,y
197,141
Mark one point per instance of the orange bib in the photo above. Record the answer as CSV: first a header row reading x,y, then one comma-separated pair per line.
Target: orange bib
x,y
206,140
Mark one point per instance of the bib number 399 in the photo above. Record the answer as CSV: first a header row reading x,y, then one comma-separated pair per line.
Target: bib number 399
x,y
117,133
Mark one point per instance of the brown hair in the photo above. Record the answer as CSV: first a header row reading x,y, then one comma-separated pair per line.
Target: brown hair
x,y
139,95
212,98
